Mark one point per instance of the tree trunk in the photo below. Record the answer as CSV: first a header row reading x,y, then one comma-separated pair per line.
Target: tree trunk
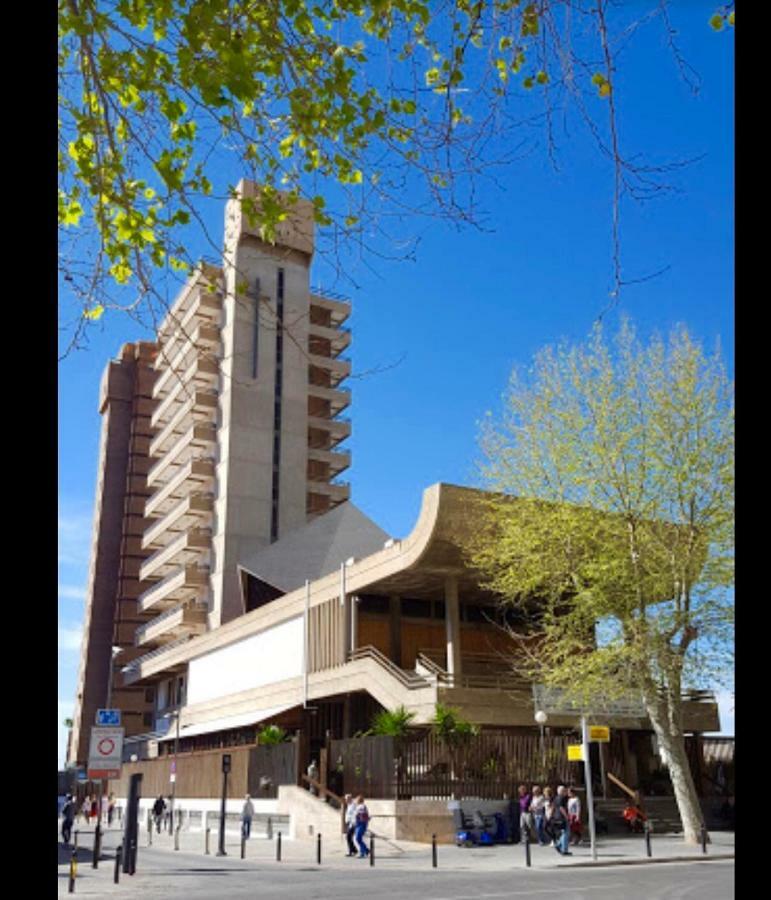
x,y
672,741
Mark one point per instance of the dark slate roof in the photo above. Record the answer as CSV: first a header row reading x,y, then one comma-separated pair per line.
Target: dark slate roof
x,y
316,549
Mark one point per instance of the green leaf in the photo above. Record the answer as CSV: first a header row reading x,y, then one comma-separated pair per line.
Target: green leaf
x,y
716,22
95,313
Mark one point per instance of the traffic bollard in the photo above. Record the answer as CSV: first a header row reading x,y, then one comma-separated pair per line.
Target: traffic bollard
x,y
528,861
278,847
116,873
176,836
97,847
433,851
318,849
371,849
703,838
206,845
270,829
149,832
75,845
648,849
73,871
243,845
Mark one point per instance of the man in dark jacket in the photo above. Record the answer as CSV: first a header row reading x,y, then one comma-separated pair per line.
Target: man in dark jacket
x,y
68,817
561,803
159,807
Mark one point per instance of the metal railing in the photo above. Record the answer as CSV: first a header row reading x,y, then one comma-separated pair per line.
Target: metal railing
x,y
410,680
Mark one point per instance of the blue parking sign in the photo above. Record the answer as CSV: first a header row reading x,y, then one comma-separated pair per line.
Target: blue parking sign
x,y
108,717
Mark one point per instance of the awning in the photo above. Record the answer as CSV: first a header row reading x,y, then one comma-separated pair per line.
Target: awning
x,y
227,722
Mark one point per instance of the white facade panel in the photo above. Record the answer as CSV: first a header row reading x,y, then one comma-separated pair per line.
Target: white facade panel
x,y
273,655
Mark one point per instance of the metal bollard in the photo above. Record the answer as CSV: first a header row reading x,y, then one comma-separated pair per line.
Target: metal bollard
x,y
75,845
703,838
206,845
176,838
243,845
149,831
270,829
318,849
433,851
97,847
116,873
73,871
648,850
278,847
371,849
528,861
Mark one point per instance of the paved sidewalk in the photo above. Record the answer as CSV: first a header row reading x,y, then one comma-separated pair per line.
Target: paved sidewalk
x,y
406,855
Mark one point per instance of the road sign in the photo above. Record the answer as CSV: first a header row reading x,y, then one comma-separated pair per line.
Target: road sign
x,y
599,733
105,717
575,752
105,752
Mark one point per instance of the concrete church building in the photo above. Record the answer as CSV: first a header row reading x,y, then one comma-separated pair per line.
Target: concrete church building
x,y
233,583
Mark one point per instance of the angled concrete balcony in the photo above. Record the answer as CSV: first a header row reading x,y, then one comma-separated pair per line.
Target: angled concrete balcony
x,y
196,288
194,477
197,442
337,460
190,512
339,429
187,548
201,375
339,338
338,368
203,341
186,619
199,407
339,398
339,308
203,307
185,583
337,493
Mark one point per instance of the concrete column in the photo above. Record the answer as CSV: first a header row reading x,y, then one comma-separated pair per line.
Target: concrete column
x,y
395,623
452,621
354,623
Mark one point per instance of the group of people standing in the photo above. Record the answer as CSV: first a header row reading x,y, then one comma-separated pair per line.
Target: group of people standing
x,y
550,818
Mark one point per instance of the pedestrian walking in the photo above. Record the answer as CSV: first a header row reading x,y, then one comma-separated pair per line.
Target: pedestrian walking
x,y
247,813
95,808
159,807
68,817
574,817
362,821
561,809
538,812
110,808
525,818
350,823
85,809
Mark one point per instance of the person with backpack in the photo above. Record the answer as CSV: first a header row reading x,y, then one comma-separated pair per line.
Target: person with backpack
x,y
68,817
362,821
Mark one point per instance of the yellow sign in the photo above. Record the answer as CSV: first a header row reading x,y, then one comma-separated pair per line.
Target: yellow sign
x,y
599,733
575,752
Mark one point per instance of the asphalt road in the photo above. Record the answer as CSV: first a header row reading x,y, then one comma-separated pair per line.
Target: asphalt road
x,y
191,876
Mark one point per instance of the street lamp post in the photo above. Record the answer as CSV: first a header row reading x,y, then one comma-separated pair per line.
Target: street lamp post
x,y
168,715
541,718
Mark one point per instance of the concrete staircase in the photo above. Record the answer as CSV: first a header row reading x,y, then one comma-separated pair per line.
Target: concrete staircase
x,y
309,815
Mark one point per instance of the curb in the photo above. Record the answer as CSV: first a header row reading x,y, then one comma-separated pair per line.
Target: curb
x,y
645,862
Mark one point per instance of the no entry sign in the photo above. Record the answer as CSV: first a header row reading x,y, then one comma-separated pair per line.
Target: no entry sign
x,y
105,751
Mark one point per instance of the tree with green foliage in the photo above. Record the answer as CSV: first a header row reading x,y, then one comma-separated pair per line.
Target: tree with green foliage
x,y
455,733
612,467
392,722
271,735
373,110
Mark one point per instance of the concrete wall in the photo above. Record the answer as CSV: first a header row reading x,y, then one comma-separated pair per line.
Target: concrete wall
x,y
272,656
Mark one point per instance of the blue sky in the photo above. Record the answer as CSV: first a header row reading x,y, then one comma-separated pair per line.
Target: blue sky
x,y
443,332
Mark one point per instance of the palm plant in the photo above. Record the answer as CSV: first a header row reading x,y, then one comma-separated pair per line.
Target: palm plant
x,y
392,722
271,735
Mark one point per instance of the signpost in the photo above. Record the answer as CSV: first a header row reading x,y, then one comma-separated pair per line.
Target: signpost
x,y
575,752
226,758
107,717
105,752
